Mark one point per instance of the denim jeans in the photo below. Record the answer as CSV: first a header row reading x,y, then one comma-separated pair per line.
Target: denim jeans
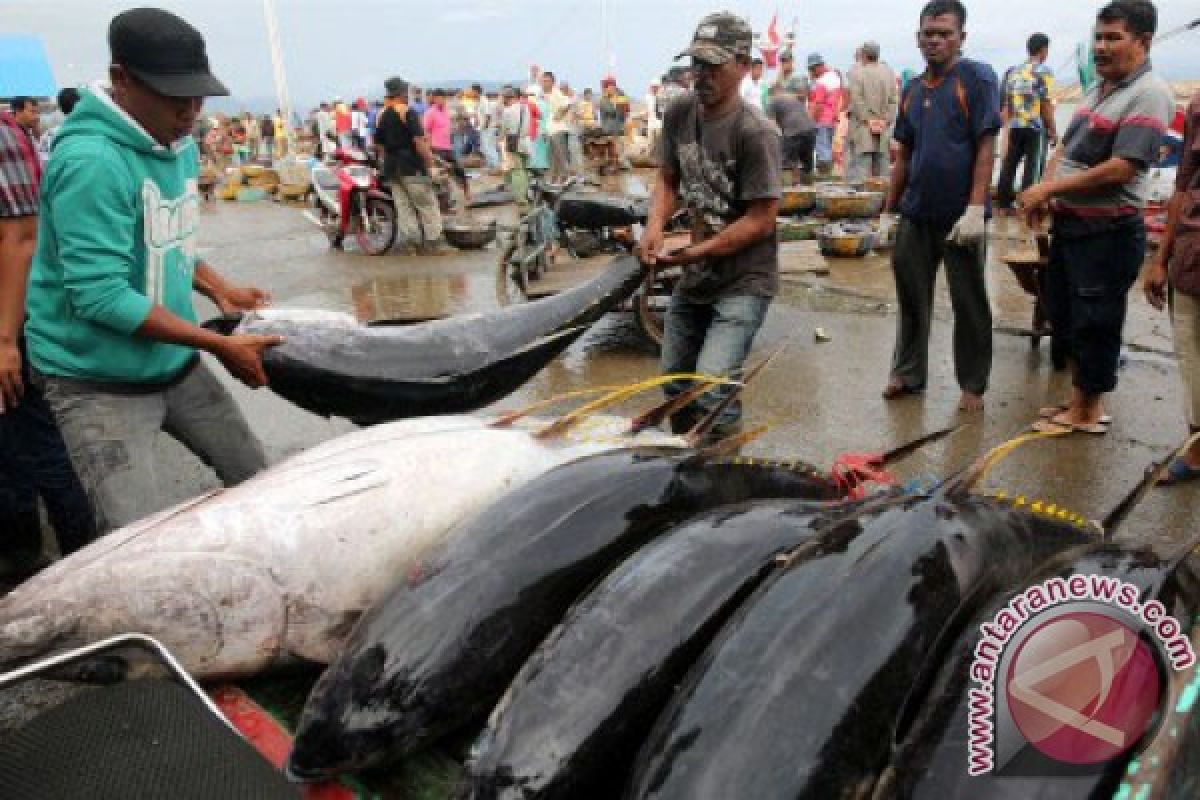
x,y
1087,292
824,150
33,463
712,339
111,439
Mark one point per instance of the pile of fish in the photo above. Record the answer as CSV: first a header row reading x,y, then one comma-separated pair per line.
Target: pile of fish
x,y
608,613
655,624
332,365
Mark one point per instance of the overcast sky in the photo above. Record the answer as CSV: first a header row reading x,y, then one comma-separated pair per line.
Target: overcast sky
x,y
347,47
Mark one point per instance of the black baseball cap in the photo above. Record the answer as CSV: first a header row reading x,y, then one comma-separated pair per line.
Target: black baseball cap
x,y
719,38
164,52
395,87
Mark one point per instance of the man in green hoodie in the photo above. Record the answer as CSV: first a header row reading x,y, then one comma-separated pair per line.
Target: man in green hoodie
x,y
112,333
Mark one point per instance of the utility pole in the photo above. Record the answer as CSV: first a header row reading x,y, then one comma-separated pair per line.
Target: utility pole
x,y
281,87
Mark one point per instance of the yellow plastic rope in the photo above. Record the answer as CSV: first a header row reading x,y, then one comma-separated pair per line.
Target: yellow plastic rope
x,y
624,393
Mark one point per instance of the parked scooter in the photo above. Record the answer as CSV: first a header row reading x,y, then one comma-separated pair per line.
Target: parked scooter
x,y
348,197
587,223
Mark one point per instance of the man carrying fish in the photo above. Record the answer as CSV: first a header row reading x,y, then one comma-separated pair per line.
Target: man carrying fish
x,y
721,161
112,333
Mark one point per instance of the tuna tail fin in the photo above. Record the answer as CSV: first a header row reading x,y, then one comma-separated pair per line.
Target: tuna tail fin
x,y
1154,473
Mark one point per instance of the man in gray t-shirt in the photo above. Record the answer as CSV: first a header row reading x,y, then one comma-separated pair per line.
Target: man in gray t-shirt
x,y
721,162
790,113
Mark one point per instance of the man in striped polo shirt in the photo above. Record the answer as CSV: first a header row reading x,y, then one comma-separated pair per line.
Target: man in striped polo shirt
x,y
33,458
1096,189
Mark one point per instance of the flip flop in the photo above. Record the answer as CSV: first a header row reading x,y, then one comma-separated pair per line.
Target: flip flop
x,y
1054,426
1179,471
1050,412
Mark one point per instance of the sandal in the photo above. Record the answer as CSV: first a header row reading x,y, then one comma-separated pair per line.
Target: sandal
x,y
1050,412
1056,426
1179,471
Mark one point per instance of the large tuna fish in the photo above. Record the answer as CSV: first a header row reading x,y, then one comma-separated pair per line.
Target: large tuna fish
x,y
437,653
575,716
332,365
932,755
799,695
282,566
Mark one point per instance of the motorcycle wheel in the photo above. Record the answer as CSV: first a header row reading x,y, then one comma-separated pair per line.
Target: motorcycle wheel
x,y
651,301
378,235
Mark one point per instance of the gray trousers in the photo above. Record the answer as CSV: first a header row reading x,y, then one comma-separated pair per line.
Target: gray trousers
x,y
418,215
110,439
920,249
560,156
1185,322
860,166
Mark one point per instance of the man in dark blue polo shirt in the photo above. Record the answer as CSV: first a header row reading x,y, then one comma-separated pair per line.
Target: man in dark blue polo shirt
x,y
1096,189
947,127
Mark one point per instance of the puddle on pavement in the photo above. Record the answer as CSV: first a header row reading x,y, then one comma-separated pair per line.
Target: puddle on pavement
x,y
412,297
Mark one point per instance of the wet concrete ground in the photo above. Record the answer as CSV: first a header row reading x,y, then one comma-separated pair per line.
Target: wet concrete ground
x,y
819,399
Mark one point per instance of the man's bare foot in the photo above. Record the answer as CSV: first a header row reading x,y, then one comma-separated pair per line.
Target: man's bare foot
x,y
970,403
898,388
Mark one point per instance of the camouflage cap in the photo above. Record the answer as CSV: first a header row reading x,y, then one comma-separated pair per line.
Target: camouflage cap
x,y
719,38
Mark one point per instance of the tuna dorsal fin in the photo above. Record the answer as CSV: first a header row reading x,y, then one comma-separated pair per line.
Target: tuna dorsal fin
x,y
1154,473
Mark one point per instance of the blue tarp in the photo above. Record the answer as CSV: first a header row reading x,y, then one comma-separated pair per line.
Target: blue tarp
x,y
24,68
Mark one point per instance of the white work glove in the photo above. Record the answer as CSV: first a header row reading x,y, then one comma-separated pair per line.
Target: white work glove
x,y
971,228
887,226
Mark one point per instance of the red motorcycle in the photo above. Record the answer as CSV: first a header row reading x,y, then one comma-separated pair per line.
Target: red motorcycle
x,y
348,197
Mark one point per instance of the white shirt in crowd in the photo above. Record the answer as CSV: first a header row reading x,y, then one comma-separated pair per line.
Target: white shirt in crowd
x,y
653,111
560,108
752,90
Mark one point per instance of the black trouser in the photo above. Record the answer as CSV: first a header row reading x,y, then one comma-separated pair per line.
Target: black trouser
x,y
1087,290
33,462
1024,144
921,247
798,151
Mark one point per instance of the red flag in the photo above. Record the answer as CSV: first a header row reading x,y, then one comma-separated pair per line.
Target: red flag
x,y
770,50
